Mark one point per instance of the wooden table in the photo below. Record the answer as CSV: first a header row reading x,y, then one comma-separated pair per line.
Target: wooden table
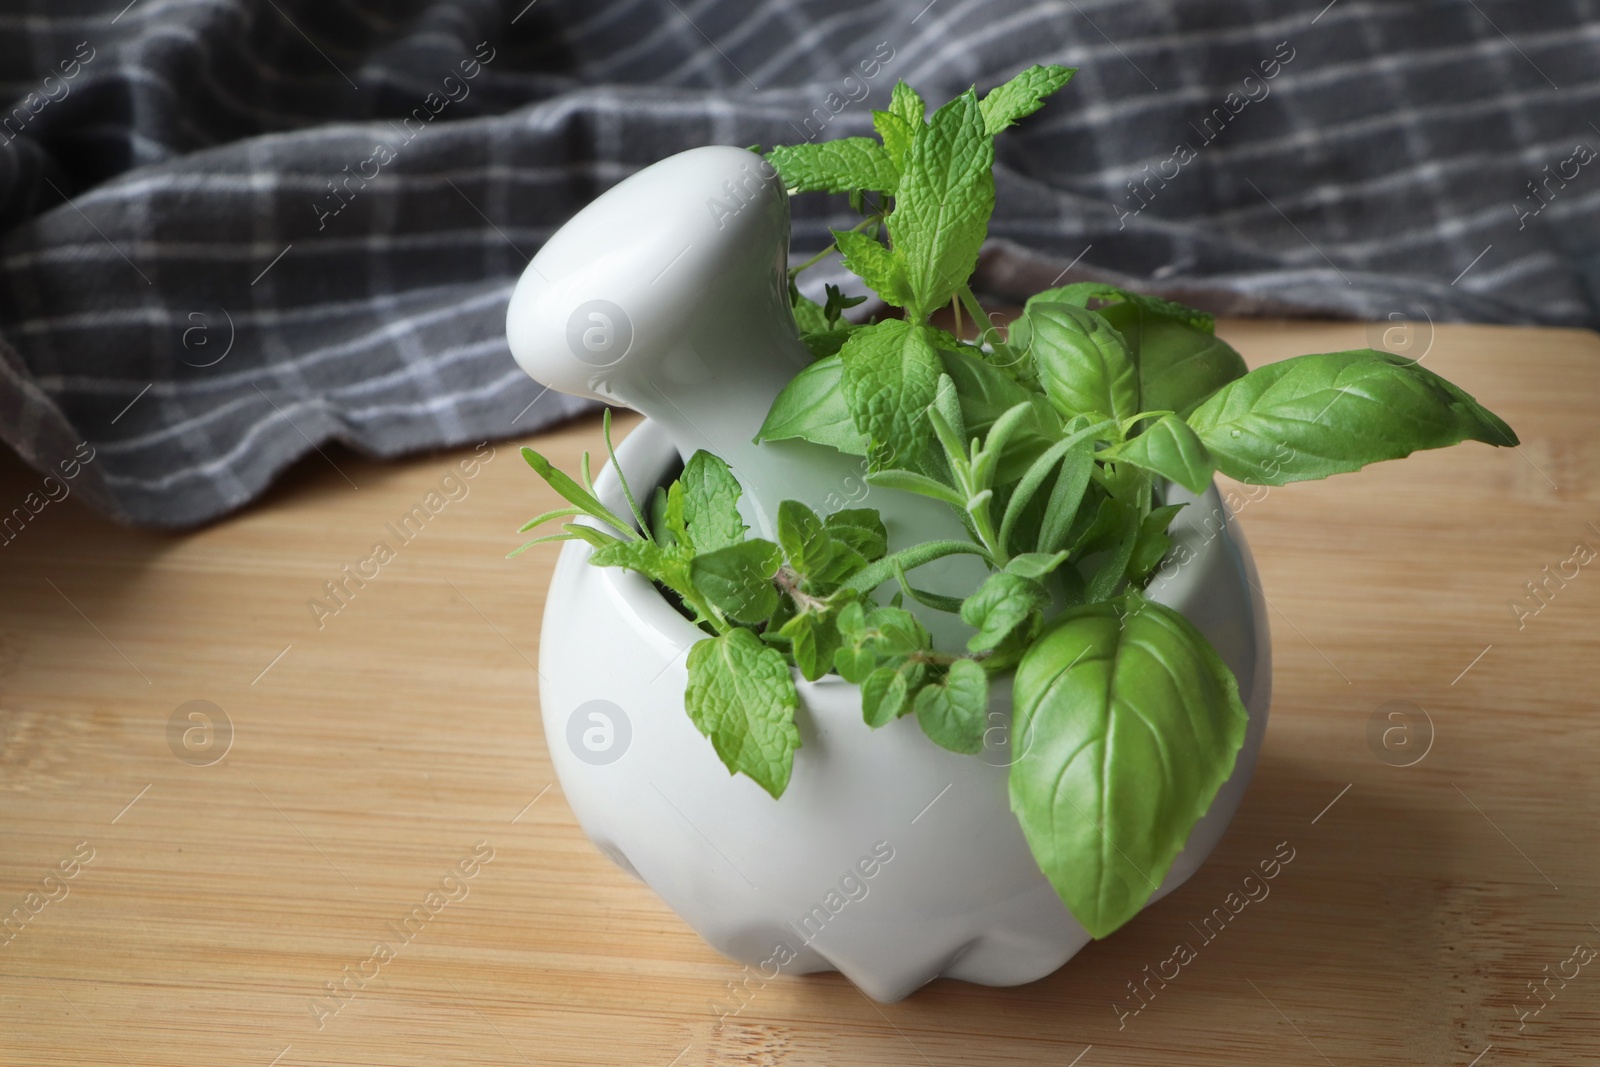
x,y
374,749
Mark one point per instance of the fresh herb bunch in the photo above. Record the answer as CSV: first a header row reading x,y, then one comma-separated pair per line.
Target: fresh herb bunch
x,y
1053,441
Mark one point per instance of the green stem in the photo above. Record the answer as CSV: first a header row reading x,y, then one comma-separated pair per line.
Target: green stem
x,y
794,272
870,577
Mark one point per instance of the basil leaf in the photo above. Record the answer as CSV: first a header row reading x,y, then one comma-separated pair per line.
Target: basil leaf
x,y
954,712
891,374
812,408
1312,416
1021,96
1169,448
1083,362
1111,297
1180,360
742,696
1004,602
943,202
738,579
1128,723
883,270
1180,367
840,166
711,503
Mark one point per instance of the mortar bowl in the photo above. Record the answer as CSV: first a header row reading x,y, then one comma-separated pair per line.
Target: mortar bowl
x,y
888,859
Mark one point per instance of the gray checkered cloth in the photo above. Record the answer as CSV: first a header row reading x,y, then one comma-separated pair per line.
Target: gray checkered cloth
x,y
234,231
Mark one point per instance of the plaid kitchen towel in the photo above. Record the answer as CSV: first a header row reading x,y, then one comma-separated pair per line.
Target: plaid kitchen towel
x,y
234,230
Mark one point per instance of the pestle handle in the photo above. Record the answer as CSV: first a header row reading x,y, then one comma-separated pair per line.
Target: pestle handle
x,y
668,294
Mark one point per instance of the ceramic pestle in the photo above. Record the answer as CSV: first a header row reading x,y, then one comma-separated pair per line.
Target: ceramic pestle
x,y
668,294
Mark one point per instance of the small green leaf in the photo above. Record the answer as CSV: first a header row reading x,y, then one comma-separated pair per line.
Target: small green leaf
x,y
1128,724
954,712
821,558
813,641
828,343
860,528
840,166
742,696
812,408
809,316
896,134
905,102
1169,448
1021,96
1035,565
1312,416
882,270
711,503
1004,602
738,579
1152,544
884,697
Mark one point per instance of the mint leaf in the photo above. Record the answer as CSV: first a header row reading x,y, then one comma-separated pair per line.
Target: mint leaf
x,y
1004,602
1169,448
1128,724
891,373
840,166
906,103
954,712
812,408
1022,95
1082,362
738,579
876,265
1312,416
742,696
711,503
896,133
943,203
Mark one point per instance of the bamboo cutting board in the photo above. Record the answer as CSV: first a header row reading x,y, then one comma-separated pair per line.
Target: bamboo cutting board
x,y
376,775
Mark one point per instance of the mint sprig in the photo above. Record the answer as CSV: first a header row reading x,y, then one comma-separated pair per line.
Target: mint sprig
x,y
1057,442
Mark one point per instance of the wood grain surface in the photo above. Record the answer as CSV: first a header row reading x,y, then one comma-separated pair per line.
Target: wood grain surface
x,y
1437,913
